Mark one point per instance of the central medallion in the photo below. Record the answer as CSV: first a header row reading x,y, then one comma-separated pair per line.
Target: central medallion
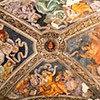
x,y
50,45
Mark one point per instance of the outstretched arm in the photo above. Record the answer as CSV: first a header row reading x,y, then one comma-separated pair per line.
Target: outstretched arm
x,y
54,72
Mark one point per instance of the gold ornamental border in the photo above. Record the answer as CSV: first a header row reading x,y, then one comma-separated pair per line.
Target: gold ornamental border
x,y
34,34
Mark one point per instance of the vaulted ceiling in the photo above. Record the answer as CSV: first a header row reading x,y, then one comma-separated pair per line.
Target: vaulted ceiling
x,y
40,53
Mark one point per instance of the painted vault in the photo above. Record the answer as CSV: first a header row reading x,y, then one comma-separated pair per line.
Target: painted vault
x,y
49,49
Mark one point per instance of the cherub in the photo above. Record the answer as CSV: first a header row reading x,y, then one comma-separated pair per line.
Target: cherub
x,y
48,86
93,49
8,46
8,66
6,69
46,75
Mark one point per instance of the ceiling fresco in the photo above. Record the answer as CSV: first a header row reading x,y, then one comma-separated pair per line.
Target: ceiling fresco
x,y
49,49
85,49
14,50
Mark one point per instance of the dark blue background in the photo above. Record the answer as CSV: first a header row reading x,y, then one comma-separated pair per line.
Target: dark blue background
x,y
14,35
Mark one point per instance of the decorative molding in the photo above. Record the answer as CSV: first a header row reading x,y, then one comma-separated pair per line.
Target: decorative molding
x,y
32,33
60,97
81,26
81,72
20,73
59,44
8,18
